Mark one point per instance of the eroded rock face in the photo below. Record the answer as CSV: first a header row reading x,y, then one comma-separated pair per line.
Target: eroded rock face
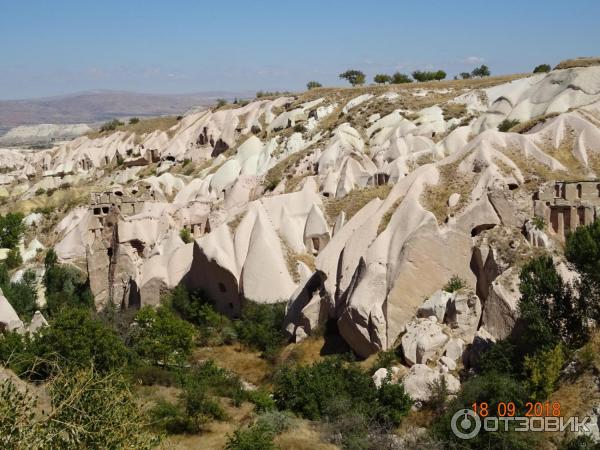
x,y
501,308
423,338
417,382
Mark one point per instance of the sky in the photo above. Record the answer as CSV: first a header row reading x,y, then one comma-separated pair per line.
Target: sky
x,y
58,47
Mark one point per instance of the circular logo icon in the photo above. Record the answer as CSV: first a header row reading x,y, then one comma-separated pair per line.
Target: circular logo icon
x,y
465,424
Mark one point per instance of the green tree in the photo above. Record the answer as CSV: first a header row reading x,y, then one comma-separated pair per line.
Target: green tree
x,y
313,84
11,230
88,410
22,295
465,75
66,286
221,102
382,78
261,326
507,124
75,339
134,120
186,235
481,71
354,77
13,259
542,68
400,78
160,337
543,370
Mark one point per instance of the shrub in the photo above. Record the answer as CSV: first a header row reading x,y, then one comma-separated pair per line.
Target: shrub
x,y
394,404
507,124
465,75
313,84
582,249
88,410
455,283
354,77
13,259
170,418
386,359
160,337
152,375
299,128
539,223
221,102
11,230
111,126
382,78
75,339
263,400
481,71
66,286
275,421
22,295
542,68
199,407
257,437
543,370
186,235
400,78
261,326
134,120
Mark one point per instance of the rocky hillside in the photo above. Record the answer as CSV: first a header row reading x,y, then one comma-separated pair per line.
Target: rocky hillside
x,y
355,206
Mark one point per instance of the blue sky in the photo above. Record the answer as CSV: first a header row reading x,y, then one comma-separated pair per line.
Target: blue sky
x,y
63,46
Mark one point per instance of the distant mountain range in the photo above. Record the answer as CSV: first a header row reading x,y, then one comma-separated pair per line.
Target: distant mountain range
x,y
97,106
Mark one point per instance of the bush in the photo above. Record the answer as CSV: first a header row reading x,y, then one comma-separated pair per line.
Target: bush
x,y
539,223
313,84
199,407
170,418
582,249
542,68
332,388
257,437
11,230
382,78
160,337
354,77
261,326
543,370
66,286
275,421
386,359
111,126
88,410
455,283
22,295
13,259
75,339
221,102
196,307
465,75
263,400
134,120
152,375
400,78
186,235
507,124
299,128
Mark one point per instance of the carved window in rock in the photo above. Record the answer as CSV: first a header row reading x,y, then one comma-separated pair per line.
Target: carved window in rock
x,y
316,243
579,191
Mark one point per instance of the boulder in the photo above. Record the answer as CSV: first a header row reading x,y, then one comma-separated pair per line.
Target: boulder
x,y
435,306
454,349
422,339
501,308
453,200
417,382
463,314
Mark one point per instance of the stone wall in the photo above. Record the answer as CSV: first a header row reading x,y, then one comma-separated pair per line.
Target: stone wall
x,y
566,205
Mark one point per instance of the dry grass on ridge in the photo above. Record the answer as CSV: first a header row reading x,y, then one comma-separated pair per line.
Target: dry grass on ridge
x,y
354,201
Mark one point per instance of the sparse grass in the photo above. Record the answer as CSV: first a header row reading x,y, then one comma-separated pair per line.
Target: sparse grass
x,y
276,173
354,201
385,220
291,183
235,222
238,359
525,127
583,61
454,110
291,259
141,127
302,436
435,197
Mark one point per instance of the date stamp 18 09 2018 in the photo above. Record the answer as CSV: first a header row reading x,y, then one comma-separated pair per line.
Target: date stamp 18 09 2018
x,y
506,416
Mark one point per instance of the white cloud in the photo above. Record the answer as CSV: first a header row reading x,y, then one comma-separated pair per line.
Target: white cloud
x,y
473,60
